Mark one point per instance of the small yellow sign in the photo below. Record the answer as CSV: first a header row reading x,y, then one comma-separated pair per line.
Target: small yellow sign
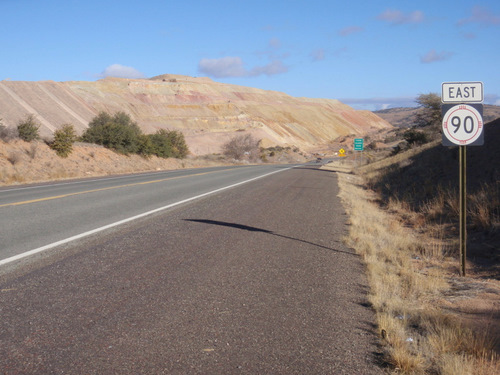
x,y
341,152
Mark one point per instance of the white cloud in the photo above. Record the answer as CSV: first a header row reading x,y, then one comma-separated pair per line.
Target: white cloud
x,y
481,16
233,66
396,17
274,67
223,67
350,30
273,51
433,56
121,71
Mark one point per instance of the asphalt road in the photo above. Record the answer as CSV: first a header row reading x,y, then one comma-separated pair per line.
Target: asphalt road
x,y
253,279
38,216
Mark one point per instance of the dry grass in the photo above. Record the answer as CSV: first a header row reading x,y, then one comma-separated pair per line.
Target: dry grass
x,y
484,206
22,162
407,274
402,158
15,157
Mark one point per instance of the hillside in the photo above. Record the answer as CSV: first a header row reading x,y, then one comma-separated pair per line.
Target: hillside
x,y
404,117
207,112
403,216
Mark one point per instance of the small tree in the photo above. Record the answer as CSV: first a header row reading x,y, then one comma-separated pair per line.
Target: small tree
x,y
146,147
413,136
239,146
430,113
161,144
169,144
28,129
117,132
63,140
179,147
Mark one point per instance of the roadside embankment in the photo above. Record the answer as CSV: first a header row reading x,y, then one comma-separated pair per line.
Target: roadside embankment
x,y
22,162
430,319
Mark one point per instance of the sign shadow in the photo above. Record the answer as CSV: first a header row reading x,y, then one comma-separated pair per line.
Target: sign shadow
x,y
255,229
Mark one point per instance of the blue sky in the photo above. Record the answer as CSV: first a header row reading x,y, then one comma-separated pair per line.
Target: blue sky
x,y
369,54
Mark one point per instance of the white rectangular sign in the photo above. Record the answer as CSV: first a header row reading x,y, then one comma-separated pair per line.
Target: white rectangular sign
x,y
462,92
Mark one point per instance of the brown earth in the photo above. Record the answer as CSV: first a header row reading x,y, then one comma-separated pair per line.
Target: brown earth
x,y
207,112
23,162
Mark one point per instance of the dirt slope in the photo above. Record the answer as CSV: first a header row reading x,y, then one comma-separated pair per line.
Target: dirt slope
x,y
207,112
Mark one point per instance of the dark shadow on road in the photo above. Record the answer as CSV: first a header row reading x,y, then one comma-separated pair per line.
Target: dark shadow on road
x,y
232,225
255,229
315,168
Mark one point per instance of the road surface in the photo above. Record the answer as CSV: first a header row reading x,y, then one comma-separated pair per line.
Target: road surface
x,y
253,279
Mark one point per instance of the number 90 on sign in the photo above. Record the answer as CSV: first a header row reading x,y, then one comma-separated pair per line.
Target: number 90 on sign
x,y
463,125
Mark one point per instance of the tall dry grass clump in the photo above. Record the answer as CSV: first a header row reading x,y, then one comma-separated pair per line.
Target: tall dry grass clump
x,y
417,336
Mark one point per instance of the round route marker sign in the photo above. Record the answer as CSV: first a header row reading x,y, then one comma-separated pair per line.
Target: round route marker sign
x,y
462,125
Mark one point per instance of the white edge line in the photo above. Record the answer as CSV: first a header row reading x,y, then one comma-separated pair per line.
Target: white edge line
x,y
117,223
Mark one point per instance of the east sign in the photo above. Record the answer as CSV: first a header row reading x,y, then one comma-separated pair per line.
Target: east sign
x,y
463,126
462,92
462,113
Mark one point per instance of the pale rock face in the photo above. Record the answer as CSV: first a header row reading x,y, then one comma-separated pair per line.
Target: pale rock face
x,y
207,112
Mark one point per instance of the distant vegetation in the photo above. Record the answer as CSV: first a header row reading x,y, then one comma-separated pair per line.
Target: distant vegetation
x,y
28,129
118,132
241,146
166,144
63,140
431,114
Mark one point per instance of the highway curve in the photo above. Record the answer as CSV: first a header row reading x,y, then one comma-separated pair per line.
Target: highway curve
x,y
251,280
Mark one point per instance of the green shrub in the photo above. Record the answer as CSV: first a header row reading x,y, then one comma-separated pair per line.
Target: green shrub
x,y
161,144
413,136
179,147
28,129
123,135
169,143
63,140
146,147
117,132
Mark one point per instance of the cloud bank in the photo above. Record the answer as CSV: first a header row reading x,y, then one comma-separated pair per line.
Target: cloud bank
x,y
346,31
433,56
480,16
121,71
396,17
233,66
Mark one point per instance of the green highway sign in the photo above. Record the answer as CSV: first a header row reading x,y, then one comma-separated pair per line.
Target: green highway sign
x,y
358,144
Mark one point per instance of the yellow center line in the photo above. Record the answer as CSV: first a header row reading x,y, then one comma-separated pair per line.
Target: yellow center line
x,y
103,189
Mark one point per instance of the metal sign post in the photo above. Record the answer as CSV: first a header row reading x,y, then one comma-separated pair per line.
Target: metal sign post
x,y
358,146
463,207
462,126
